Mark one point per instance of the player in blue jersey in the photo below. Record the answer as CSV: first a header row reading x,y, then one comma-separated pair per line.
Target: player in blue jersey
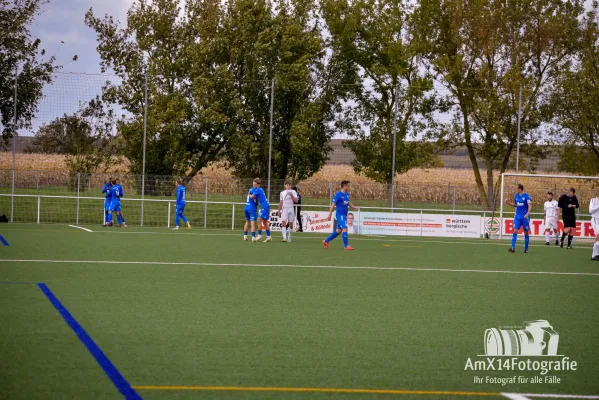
x,y
523,204
250,210
107,199
180,206
111,197
341,203
119,214
264,214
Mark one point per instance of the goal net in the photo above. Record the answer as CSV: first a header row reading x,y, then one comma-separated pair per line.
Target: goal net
x,y
538,187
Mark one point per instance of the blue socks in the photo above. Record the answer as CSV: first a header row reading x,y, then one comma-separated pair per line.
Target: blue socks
x,y
183,218
253,234
259,232
109,218
245,233
176,219
345,239
118,218
514,238
267,233
526,240
331,236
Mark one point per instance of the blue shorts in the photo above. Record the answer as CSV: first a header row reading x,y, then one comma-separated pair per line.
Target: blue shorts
x,y
115,206
179,208
520,221
264,214
250,215
107,204
341,221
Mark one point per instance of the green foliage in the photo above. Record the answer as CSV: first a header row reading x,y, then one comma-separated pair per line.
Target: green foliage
x,y
578,160
483,52
86,138
374,39
18,50
209,87
577,104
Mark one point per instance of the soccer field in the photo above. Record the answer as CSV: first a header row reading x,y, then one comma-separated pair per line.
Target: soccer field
x,y
109,313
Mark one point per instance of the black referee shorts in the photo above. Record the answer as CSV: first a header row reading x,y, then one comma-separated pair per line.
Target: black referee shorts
x,y
569,222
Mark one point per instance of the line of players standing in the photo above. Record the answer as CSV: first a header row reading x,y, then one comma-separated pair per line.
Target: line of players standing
x,y
568,203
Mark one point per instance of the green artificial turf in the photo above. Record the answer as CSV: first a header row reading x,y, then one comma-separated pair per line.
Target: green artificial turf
x,y
203,308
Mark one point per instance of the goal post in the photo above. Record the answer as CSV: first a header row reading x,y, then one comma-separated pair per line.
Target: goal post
x,y
537,186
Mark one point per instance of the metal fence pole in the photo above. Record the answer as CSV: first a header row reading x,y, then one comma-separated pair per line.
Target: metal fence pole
x,y
168,218
454,199
143,162
78,195
394,145
205,203
233,218
518,139
272,106
330,192
14,150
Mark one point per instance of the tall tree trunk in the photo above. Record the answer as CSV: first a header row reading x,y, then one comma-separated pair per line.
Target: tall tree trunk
x,y
472,155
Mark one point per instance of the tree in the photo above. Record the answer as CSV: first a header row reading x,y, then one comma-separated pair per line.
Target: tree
x,y
484,52
284,42
374,37
577,103
18,50
86,138
209,86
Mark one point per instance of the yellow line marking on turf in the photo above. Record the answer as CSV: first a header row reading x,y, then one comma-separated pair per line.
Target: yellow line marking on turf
x,y
316,390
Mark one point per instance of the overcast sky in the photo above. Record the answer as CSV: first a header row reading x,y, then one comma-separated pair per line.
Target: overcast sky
x,y
62,20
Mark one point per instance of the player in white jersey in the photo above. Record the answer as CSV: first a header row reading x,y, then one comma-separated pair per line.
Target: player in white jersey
x,y
287,201
551,218
594,211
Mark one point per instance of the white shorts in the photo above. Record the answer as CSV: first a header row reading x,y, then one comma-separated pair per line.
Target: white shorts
x,y
288,215
551,223
595,225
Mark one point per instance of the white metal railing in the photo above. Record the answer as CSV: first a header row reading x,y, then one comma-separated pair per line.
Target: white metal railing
x,y
482,213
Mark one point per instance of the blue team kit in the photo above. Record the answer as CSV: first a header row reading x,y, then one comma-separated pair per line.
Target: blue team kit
x,y
251,207
264,204
341,201
522,201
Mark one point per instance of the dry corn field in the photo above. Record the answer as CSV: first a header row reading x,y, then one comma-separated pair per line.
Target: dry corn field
x,y
435,185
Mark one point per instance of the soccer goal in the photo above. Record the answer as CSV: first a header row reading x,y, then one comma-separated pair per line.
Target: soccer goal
x,y
538,186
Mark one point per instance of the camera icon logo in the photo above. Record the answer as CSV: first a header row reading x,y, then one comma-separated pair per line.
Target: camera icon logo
x,y
534,338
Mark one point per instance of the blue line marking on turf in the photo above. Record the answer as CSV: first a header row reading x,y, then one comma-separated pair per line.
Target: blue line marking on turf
x,y
4,242
109,369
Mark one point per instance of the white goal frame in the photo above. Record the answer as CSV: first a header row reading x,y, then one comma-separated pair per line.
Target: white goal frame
x,y
503,175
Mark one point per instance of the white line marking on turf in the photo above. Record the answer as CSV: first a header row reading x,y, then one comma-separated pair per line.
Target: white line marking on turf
x,y
80,227
514,396
425,239
198,264
549,396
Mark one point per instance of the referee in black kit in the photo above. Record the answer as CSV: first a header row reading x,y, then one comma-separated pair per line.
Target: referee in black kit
x,y
298,209
568,203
